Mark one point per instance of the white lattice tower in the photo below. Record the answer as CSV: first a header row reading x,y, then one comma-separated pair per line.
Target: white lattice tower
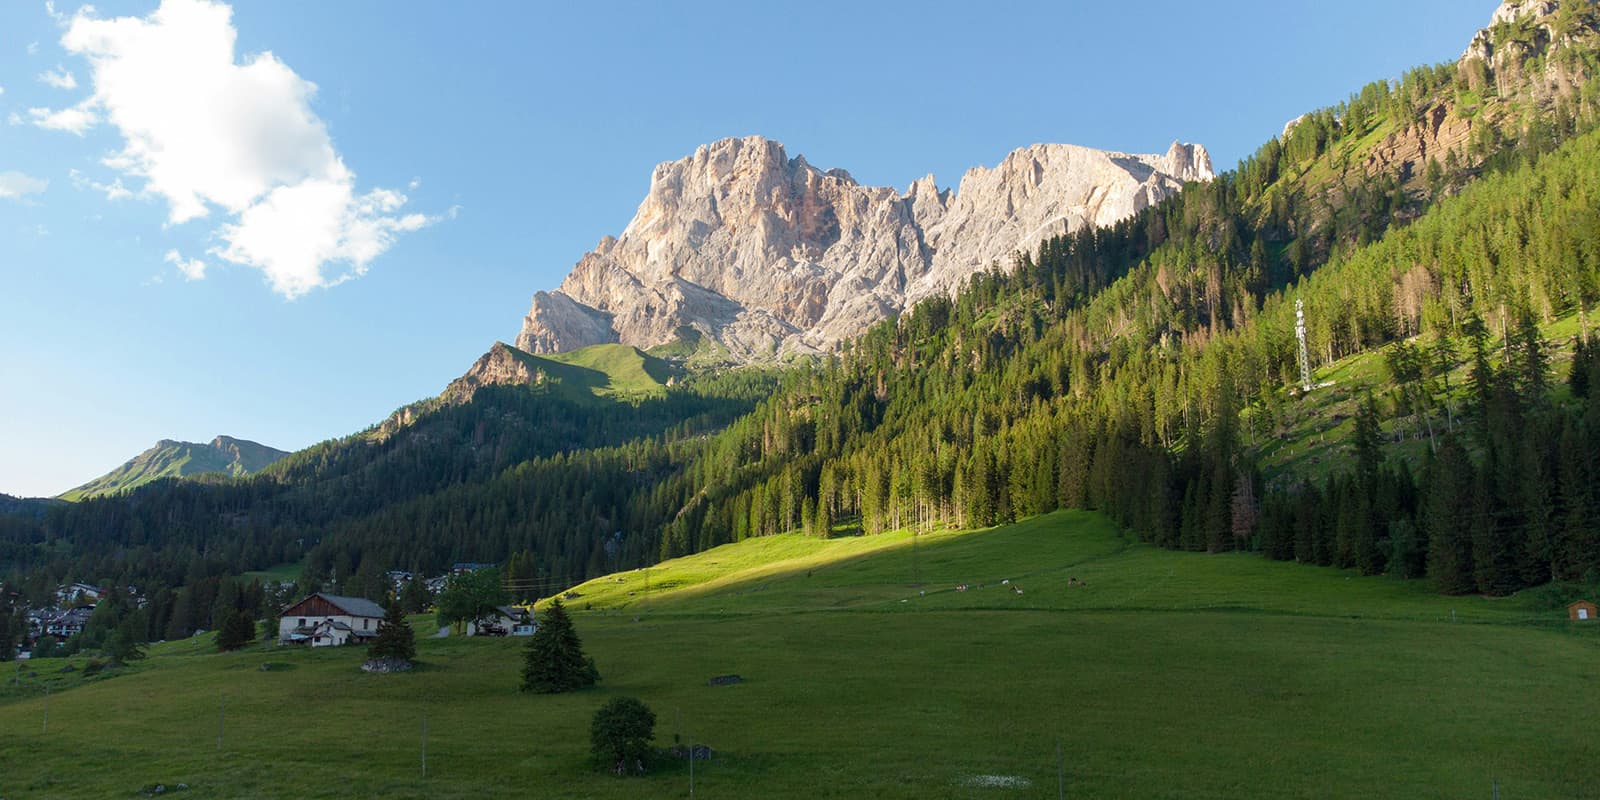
x,y
1300,334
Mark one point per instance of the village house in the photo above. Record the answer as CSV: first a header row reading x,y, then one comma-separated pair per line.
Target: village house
x,y
68,623
77,593
326,620
1582,610
506,621
398,578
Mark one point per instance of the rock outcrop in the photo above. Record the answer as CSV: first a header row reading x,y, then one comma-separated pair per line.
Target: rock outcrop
x,y
768,255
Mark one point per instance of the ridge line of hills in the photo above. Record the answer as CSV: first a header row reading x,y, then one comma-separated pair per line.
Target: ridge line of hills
x,y
1136,369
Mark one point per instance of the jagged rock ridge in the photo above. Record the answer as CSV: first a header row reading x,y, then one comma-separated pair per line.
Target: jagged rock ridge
x,y
768,255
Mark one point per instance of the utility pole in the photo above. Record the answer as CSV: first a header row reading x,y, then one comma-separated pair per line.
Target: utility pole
x,y
916,564
1061,774
1300,334
46,709
424,744
222,711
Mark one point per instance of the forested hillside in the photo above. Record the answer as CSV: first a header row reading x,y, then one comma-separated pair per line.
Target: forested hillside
x,y
1135,369
1138,369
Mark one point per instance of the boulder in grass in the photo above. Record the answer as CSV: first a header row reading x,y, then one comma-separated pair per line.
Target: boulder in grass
x,y
386,665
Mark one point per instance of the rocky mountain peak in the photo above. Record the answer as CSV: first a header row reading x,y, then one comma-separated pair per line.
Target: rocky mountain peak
x,y
768,255
1540,17
1513,10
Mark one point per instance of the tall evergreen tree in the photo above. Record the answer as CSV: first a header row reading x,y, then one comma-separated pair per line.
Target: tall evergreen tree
x,y
8,640
555,661
1446,517
395,637
237,629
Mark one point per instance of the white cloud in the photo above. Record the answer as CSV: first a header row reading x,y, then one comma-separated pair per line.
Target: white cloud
x,y
15,185
75,120
207,133
2,90
59,78
33,48
113,190
193,269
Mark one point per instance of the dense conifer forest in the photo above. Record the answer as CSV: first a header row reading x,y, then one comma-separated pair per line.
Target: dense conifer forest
x,y
1136,370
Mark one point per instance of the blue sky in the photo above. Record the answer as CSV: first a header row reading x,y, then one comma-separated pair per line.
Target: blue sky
x,y
176,218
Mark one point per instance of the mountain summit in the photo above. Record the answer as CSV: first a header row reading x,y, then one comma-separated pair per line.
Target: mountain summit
x,y
174,459
768,255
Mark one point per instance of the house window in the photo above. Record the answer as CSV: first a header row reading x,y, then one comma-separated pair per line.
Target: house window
x,y
302,622
365,624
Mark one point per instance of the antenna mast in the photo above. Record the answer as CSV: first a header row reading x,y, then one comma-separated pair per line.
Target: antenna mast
x,y
1300,334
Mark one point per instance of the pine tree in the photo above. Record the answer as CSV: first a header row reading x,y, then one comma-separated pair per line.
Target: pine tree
x,y
8,643
555,661
237,630
1446,518
414,596
395,637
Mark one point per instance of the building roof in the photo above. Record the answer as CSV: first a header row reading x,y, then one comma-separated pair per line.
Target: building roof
x,y
357,606
1579,603
353,606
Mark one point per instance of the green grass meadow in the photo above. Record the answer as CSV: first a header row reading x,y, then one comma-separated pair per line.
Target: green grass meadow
x,y
868,674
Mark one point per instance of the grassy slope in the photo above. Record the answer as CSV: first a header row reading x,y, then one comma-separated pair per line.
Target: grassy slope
x,y
628,373
172,460
1314,438
281,573
1168,675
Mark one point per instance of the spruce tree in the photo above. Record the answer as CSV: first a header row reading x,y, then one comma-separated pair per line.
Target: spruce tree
x,y
555,661
236,630
414,597
8,644
1446,519
395,638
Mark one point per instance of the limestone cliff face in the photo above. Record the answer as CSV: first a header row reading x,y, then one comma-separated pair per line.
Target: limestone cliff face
x,y
1518,34
768,255
1497,64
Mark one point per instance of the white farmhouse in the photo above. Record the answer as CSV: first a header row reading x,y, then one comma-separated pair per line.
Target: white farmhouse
x,y
504,621
324,620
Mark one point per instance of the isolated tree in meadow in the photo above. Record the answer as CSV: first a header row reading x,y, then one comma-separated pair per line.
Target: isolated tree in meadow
x,y
471,596
620,734
124,644
395,639
555,661
236,630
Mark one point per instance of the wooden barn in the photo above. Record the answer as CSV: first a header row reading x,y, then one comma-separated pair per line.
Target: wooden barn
x,y
1581,610
323,620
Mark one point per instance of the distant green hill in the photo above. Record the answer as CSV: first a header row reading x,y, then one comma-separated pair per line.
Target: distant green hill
x,y
172,459
603,372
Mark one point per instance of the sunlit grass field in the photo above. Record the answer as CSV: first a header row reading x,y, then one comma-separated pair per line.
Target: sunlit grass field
x,y
867,673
